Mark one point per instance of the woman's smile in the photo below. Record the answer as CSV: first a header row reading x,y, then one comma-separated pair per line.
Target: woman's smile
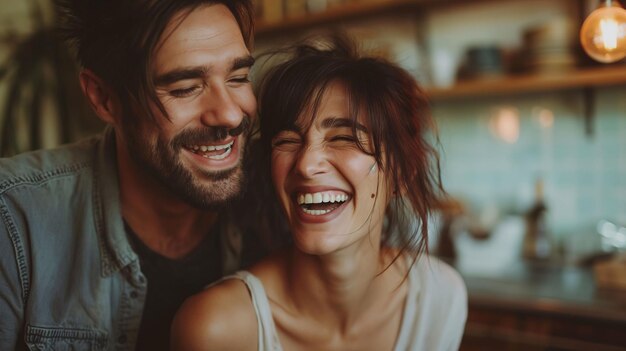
x,y
322,202
317,206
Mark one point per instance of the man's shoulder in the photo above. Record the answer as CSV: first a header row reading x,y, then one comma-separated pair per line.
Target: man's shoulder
x,y
36,167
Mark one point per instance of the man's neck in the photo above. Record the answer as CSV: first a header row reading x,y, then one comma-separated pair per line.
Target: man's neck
x,y
165,223
172,233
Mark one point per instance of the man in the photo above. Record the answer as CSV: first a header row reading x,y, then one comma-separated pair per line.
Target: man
x,y
101,241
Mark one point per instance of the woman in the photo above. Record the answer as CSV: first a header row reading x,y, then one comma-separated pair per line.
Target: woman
x,y
346,140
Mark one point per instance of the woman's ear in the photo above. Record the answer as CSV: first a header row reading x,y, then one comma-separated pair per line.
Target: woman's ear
x,y
103,100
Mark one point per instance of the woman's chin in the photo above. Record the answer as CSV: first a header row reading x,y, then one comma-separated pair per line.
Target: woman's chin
x,y
317,243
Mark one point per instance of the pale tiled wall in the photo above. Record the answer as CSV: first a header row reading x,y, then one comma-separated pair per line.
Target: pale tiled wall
x,y
584,175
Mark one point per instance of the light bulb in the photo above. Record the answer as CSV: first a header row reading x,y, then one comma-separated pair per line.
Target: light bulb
x,y
603,34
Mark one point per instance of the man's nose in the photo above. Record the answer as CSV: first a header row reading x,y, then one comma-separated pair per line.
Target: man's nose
x,y
220,108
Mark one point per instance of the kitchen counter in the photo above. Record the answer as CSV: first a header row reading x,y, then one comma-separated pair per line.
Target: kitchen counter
x,y
543,307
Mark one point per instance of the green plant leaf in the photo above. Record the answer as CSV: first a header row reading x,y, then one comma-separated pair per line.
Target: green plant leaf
x,y
25,59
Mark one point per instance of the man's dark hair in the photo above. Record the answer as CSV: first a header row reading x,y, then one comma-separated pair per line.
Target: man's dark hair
x,y
116,39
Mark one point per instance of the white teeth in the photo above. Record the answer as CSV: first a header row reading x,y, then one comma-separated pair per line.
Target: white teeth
x,y
315,212
220,156
317,198
322,197
205,148
222,147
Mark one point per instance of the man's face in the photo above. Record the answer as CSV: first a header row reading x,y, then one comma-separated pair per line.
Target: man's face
x,y
200,69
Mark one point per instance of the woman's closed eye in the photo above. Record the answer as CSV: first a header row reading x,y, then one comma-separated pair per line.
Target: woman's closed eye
x,y
344,138
350,141
286,142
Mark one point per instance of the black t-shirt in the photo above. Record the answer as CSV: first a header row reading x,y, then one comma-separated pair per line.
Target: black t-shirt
x,y
170,282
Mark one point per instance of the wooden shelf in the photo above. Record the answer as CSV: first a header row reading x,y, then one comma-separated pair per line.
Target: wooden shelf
x,y
349,11
509,85
582,78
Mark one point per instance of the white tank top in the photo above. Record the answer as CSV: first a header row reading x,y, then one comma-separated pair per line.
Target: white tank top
x,y
433,318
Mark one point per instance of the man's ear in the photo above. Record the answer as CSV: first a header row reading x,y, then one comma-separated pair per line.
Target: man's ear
x,y
103,100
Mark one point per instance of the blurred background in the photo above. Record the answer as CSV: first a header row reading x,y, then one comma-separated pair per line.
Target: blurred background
x,y
532,133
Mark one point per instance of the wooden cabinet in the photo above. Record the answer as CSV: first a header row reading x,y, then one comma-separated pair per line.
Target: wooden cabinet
x,y
510,328
544,308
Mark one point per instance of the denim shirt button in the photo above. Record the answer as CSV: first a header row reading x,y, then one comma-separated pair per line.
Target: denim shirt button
x,y
122,339
134,294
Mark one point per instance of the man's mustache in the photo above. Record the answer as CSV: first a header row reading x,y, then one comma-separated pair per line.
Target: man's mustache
x,y
210,134
244,126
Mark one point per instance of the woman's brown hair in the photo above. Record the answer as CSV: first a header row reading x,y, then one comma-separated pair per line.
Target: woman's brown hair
x,y
396,113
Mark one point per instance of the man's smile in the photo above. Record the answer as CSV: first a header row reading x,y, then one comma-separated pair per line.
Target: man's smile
x,y
213,152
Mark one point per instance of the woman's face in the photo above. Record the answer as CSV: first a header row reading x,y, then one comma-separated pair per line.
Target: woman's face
x,y
332,192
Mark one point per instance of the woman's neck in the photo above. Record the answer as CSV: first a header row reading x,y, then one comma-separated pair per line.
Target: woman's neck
x,y
343,288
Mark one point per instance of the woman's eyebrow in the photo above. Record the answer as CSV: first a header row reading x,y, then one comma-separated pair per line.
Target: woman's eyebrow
x,y
342,122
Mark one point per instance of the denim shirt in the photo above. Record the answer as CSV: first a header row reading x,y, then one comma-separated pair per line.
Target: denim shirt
x,y
69,278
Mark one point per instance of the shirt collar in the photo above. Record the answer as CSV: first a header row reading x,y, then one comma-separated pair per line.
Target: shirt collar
x,y
115,250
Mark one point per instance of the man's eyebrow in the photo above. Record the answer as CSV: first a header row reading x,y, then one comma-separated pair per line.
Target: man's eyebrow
x,y
180,74
242,62
199,72
342,122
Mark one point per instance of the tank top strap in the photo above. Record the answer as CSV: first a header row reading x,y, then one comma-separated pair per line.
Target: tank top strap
x,y
268,338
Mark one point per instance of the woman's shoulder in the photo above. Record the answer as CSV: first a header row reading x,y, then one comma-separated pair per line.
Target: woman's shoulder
x,y
431,267
221,317
442,280
438,309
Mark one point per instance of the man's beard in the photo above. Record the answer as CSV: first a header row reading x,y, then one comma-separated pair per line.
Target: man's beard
x,y
208,190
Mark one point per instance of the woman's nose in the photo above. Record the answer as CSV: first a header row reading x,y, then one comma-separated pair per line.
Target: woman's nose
x,y
311,161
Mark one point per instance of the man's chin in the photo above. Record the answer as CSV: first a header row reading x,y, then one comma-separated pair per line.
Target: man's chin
x,y
214,190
